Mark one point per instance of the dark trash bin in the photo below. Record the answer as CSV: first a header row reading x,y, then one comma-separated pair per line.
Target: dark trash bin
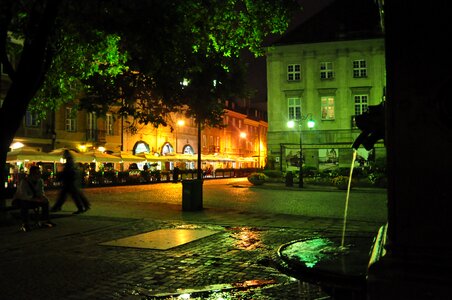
x,y
176,172
289,179
192,195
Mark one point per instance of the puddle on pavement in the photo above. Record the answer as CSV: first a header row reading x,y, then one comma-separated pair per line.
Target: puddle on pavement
x,y
161,239
197,226
251,289
310,252
246,238
214,291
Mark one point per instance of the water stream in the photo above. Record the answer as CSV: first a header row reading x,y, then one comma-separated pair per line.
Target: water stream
x,y
346,199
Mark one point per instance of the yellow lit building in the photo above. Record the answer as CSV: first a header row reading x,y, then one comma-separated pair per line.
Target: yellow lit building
x,y
240,144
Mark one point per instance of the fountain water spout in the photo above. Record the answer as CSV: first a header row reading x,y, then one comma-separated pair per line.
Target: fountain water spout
x,y
346,199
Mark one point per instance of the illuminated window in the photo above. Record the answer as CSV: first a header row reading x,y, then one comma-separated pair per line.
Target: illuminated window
x,y
71,119
293,72
31,119
327,107
92,120
109,124
326,70
294,105
361,104
167,148
91,132
141,147
188,150
359,68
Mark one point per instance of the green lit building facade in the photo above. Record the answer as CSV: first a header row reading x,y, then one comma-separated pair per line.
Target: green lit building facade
x,y
329,69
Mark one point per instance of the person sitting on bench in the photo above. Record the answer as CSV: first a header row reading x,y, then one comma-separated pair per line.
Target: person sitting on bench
x,y
30,195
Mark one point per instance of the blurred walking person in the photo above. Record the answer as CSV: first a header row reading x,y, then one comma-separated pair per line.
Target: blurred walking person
x,y
70,181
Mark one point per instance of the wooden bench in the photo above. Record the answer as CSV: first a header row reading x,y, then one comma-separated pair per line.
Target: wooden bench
x,y
8,206
14,212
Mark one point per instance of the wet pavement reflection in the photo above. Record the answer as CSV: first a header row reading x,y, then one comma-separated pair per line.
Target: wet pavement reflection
x,y
237,262
246,238
258,244
250,289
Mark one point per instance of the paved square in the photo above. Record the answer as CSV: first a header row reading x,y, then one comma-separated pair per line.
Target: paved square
x,y
161,239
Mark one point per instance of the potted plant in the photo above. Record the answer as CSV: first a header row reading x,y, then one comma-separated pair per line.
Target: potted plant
x,y
257,178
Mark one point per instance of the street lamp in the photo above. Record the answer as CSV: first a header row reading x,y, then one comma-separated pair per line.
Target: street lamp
x,y
311,124
259,149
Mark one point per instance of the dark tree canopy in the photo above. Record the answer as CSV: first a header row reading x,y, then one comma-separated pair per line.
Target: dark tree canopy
x,y
135,54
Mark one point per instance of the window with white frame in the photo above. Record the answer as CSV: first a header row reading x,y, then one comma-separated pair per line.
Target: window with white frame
x,y
210,140
92,121
361,103
294,105
109,124
293,72
71,119
327,107
31,119
91,126
326,70
359,68
240,124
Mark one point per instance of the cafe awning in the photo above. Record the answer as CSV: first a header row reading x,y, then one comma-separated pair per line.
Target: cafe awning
x,y
184,157
30,155
86,157
78,157
96,156
128,157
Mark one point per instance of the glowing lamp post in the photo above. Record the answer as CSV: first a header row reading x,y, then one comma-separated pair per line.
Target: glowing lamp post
x,y
311,124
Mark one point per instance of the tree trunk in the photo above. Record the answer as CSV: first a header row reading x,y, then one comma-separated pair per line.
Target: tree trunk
x,y
34,62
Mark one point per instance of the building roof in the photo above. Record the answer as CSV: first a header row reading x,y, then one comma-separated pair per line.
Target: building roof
x,y
342,20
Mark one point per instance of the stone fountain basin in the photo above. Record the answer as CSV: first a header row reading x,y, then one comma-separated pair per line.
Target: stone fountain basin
x,y
322,261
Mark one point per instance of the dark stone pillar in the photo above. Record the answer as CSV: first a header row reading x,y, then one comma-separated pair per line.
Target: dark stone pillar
x,y
418,261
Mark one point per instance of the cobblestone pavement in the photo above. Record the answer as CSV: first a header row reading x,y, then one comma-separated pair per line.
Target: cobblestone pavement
x,y
237,262
67,262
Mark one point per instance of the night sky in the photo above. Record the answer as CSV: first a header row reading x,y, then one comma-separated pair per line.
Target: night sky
x,y
257,68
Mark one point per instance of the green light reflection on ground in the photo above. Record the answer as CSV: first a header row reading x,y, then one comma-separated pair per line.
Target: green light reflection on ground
x,y
310,252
